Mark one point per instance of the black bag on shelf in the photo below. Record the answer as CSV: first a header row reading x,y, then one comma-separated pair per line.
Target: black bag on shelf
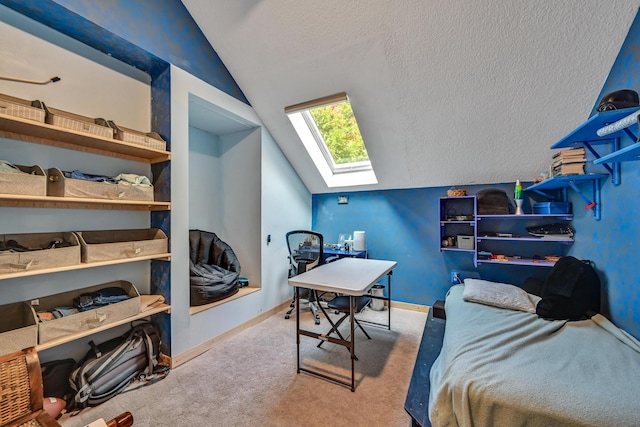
x,y
110,367
491,201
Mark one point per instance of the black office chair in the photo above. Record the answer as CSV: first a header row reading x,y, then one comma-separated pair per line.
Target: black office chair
x,y
305,253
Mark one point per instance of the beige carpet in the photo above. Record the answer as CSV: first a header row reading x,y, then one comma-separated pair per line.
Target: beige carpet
x,y
250,379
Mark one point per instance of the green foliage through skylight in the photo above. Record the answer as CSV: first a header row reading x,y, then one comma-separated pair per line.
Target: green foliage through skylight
x,y
340,131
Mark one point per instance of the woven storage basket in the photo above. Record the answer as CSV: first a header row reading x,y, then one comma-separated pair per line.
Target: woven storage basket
x,y
75,122
456,192
37,259
18,328
20,108
85,320
106,245
33,182
145,139
60,186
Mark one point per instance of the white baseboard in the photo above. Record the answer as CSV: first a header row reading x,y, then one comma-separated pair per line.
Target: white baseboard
x,y
201,348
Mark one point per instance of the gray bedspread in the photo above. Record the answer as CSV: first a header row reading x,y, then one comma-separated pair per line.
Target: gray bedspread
x,y
500,367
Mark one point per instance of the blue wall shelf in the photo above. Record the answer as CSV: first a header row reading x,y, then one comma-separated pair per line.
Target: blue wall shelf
x,y
589,134
572,181
588,131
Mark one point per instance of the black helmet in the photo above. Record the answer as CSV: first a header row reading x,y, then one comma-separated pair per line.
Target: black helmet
x,y
618,100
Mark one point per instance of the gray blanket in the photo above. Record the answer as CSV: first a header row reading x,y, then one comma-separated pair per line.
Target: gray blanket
x,y
500,367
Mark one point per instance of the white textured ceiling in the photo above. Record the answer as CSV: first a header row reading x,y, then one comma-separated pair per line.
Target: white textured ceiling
x,y
446,92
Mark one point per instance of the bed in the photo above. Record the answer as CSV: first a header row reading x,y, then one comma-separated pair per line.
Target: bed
x,y
505,366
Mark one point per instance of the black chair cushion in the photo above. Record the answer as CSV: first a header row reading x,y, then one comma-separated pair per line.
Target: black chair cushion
x,y
341,303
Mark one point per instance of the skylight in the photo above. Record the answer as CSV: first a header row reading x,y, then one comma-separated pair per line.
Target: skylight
x,y
329,131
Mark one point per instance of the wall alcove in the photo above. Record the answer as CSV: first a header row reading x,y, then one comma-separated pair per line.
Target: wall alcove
x,y
225,185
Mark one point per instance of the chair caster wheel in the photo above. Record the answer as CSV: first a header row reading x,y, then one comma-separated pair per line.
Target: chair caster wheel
x,y
287,316
317,321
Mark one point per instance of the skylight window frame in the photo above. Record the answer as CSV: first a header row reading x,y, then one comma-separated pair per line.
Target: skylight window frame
x,y
324,149
334,174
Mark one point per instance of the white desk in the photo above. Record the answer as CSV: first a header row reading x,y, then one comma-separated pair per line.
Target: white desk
x,y
347,276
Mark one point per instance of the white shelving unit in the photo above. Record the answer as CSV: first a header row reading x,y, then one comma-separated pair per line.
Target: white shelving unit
x,y
42,133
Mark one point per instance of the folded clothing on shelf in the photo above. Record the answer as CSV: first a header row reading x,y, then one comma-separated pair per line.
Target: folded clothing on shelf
x,y
56,313
12,245
129,178
102,297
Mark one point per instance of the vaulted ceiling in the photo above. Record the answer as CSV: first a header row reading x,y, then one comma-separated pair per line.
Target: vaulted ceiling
x,y
445,92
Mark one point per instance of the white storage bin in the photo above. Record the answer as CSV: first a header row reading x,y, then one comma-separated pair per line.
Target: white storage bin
x,y
465,242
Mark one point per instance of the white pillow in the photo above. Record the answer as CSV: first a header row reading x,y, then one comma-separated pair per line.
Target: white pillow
x,y
501,295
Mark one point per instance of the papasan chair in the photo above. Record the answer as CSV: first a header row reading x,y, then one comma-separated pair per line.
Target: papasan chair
x,y
214,268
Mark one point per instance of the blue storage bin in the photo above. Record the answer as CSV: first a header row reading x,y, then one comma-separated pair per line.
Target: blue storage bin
x,y
552,208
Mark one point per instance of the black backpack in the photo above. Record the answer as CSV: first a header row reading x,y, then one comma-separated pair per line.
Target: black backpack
x,y
570,291
110,367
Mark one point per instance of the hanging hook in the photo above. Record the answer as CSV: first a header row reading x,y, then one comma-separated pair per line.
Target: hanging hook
x,y
13,79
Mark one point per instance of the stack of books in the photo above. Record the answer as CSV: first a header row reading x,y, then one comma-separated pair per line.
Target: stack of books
x,y
569,162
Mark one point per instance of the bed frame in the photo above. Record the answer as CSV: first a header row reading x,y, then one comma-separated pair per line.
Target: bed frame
x,y
417,401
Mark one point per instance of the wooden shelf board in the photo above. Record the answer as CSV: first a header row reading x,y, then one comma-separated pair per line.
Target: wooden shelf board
x,y
22,201
83,265
53,343
241,292
43,133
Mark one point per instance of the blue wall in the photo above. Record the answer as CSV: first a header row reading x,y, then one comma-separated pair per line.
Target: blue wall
x,y
402,225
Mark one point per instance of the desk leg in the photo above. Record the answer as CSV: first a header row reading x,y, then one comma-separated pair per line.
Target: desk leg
x,y
389,297
352,305
298,326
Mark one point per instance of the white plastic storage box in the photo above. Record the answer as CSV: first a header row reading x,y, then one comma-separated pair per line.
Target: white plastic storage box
x,y
33,182
46,250
465,242
60,186
84,320
107,245
21,108
18,328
